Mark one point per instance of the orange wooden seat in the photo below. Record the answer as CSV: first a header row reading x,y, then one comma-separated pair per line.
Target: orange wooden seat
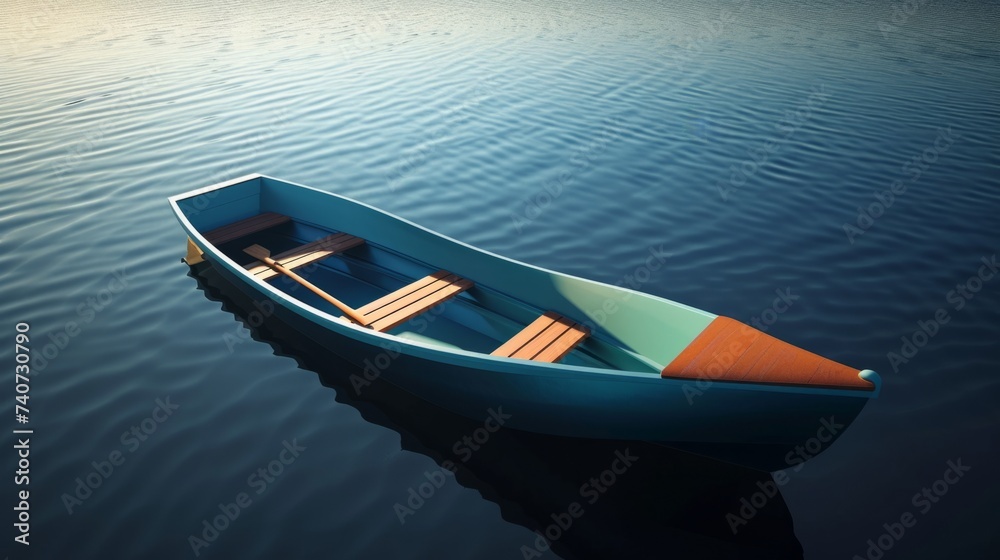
x,y
728,350
306,254
400,306
245,227
547,339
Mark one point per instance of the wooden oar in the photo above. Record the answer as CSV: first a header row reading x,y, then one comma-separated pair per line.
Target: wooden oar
x,y
263,255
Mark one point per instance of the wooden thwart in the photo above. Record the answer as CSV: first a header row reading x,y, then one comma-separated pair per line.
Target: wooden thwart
x,y
241,228
400,306
382,314
305,254
264,255
547,339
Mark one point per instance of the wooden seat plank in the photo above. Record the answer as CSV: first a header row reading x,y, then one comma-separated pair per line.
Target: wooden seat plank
x,y
542,341
392,310
402,292
525,335
286,258
563,345
547,339
410,296
419,305
245,227
306,254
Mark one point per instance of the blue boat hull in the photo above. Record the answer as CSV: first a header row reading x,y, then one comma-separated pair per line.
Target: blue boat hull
x,y
556,399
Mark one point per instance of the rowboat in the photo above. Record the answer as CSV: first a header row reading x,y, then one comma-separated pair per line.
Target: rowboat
x,y
474,332
532,476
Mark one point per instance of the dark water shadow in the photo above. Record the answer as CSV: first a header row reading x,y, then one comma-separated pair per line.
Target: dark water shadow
x,y
667,504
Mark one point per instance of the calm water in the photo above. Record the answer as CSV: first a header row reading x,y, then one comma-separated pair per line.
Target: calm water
x,y
578,136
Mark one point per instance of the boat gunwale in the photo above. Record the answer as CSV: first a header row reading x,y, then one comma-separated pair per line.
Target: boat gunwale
x,y
510,365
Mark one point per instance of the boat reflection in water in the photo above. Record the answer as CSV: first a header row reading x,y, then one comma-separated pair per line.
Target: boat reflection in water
x,y
668,504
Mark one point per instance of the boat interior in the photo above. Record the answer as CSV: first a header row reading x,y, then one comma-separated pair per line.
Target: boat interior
x,y
381,289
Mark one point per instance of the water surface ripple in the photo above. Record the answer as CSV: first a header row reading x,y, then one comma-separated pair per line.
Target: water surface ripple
x,y
741,136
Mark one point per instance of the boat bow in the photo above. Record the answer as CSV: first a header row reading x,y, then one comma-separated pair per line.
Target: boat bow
x,y
728,350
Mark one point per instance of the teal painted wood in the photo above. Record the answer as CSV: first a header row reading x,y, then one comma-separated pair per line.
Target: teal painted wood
x,y
653,327
577,398
214,207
